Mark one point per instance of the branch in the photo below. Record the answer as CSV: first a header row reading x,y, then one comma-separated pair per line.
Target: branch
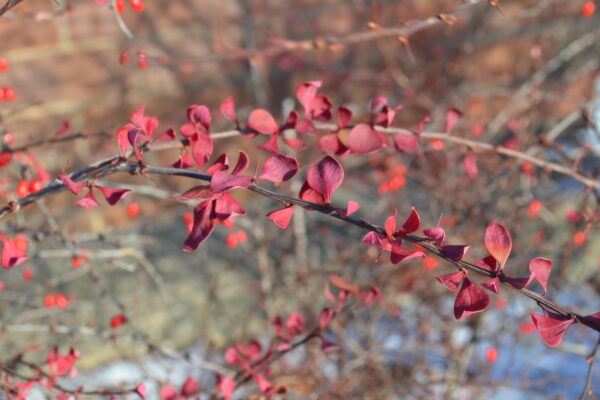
x,y
8,5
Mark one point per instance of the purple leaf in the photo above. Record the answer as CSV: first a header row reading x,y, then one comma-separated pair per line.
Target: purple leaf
x,y
540,271
470,299
262,121
325,177
551,330
436,235
455,252
451,281
113,195
406,143
363,139
279,168
222,181
202,227
498,243
281,217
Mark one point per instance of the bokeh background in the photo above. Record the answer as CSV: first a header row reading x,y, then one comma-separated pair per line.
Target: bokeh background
x,y
524,75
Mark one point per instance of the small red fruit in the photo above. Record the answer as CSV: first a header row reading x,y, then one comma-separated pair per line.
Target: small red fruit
x,y
3,65
142,59
124,57
76,261
61,300
5,158
49,300
579,238
23,188
36,185
137,5
491,355
133,209
534,208
588,9
27,274
9,138
120,5
117,321
9,94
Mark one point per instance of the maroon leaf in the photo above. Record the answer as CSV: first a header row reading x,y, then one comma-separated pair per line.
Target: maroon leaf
x,y
518,283
227,108
437,235
406,143
220,164
113,195
190,387
540,271
226,206
470,299
200,192
363,139
374,239
11,256
89,201
399,253
498,243
279,168
488,263
222,181
593,318
242,163
452,117
75,188
455,252
281,217
451,281
202,227
332,144
306,92
492,284
411,224
271,145
262,121
309,194
325,177
550,329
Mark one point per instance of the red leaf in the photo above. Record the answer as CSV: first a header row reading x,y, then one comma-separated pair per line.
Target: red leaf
x,y
452,117
343,284
498,243
75,188
200,192
422,123
518,283
226,206
352,207
262,121
406,143
455,252
399,253
168,392
141,390
202,149
11,256
279,168
220,164
470,299
227,108
363,139
222,181
325,177
202,227
281,217
540,271
374,239
309,194
488,263
451,281
344,116
378,102
411,224
113,195
226,387
437,235
190,387
294,143
89,201
123,138
263,384
390,224
331,143
325,318
551,330
271,145
492,284
306,92
470,166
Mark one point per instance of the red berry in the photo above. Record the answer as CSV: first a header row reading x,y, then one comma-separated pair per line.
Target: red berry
x,y
49,300
9,138
142,59
3,65
117,321
120,4
9,94
36,185
231,240
21,242
5,158
76,261
588,9
124,57
133,209
534,208
137,5
491,355
61,300
188,218
23,188
579,238
27,274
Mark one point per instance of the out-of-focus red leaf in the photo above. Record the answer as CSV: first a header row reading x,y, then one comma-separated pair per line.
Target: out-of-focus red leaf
x,y
190,387
455,252
74,187
262,121
11,256
200,115
452,117
344,116
306,92
363,139
227,108
470,166
406,143
89,201
390,224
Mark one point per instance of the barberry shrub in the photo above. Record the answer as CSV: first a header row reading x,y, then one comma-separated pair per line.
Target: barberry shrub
x,y
348,231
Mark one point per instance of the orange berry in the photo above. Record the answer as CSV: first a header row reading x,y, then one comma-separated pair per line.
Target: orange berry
x,y
133,209
588,9
36,185
142,59
534,208
491,355
528,168
27,274
23,188
49,300
579,238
